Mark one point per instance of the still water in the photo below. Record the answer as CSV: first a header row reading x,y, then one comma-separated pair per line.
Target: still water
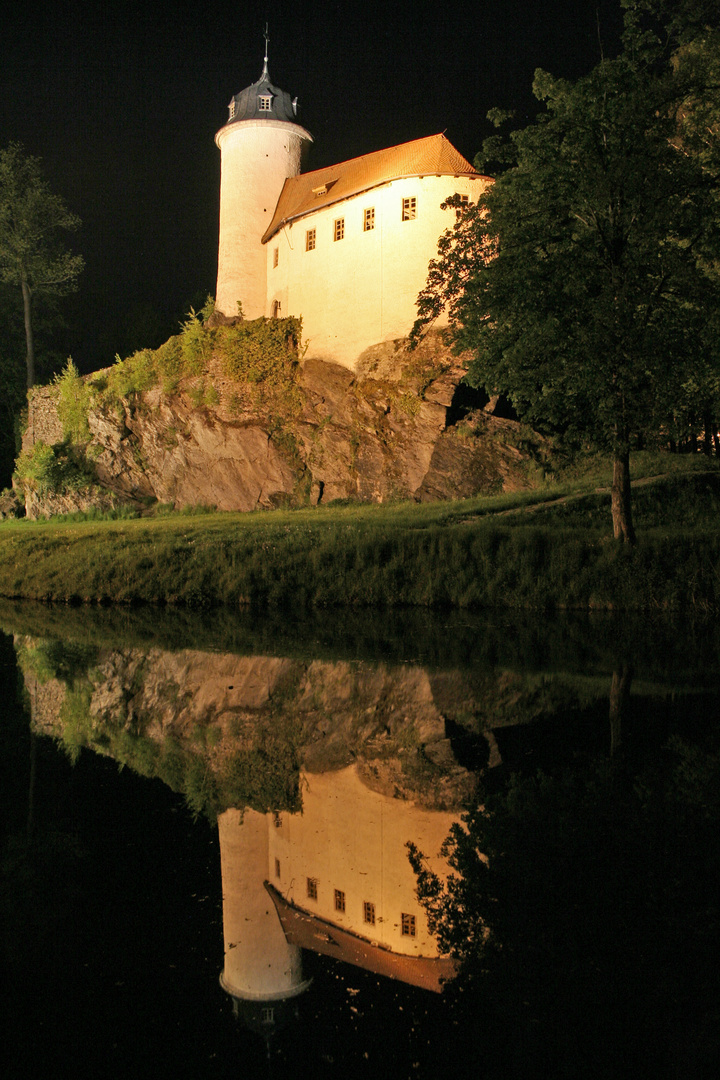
x,y
206,822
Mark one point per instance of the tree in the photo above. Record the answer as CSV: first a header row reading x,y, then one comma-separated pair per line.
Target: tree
x,y
32,255
581,282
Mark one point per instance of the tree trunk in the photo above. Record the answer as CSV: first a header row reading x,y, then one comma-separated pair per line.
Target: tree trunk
x,y
620,500
29,340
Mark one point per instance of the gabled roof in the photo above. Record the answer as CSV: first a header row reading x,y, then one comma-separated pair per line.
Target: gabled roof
x,y
307,192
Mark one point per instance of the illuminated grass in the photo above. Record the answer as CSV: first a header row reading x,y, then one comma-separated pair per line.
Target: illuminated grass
x,y
475,552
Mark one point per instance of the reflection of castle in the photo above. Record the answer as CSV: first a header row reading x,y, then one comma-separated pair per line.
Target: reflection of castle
x,y
335,879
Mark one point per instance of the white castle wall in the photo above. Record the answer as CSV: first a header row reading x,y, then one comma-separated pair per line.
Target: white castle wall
x,y
361,290
257,156
353,839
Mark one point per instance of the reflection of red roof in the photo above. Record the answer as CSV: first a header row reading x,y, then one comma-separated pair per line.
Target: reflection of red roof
x,y
309,932
433,156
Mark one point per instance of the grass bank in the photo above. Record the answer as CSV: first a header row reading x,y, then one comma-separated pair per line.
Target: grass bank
x,y
542,549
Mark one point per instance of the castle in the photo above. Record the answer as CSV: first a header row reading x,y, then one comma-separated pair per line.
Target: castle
x,y
347,247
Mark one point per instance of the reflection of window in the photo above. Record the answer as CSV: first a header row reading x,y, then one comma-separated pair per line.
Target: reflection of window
x,y
310,240
408,925
277,868
276,256
267,1016
278,820
369,913
339,231
409,209
265,103
369,219
276,309
312,888
339,900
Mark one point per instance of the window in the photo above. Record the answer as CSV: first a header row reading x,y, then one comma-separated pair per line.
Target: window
x,y
460,210
276,256
277,868
407,925
409,209
276,309
369,219
312,888
310,240
232,108
267,1016
339,231
277,820
265,103
339,900
369,913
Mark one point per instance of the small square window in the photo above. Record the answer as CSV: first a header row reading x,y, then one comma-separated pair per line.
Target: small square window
x,y
265,103
369,913
339,900
409,209
310,240
312,888
460,210
277,868
408,925
276,256
369,219
339,230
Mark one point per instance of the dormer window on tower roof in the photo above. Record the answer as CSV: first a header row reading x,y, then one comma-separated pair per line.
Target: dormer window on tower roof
x,y
265,102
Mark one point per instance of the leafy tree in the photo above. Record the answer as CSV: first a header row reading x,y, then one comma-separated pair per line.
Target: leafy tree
x,y
583,282
581,908
32,255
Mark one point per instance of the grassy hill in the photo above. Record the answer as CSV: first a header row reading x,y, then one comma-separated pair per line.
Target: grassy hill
x,y
547,548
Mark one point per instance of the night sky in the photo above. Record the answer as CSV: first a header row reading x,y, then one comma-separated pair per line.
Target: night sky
x,y
122,101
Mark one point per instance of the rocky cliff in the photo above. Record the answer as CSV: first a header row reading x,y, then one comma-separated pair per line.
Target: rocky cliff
x,y
253,436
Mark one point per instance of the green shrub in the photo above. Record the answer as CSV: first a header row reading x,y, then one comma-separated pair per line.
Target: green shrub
x,y
53,470
261,351
73,403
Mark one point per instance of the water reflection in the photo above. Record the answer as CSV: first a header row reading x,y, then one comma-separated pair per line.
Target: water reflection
x,y
323,749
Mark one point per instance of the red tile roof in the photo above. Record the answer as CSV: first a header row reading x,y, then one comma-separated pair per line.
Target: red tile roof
x,y
302,194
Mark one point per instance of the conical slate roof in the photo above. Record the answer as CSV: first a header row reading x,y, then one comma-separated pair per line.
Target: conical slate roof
x,y
262,101
302,194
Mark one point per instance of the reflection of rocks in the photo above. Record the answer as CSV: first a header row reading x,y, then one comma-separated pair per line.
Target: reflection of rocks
x,y
228,729
256,720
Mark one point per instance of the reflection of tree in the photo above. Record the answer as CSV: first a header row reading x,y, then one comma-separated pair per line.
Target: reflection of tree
x,y
583,910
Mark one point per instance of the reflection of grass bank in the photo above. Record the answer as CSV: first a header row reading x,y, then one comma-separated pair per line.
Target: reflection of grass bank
x,y
463,554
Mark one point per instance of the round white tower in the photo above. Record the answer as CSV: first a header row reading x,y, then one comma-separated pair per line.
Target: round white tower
x,y
260,147
260,965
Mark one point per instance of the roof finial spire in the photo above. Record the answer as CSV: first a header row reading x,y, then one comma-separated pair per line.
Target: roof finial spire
x,y
265,72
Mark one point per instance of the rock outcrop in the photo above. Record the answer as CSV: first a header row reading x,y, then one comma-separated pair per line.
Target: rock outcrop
x,y
381,433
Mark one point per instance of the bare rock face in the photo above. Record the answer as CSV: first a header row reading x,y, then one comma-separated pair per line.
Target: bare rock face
x,y
380,434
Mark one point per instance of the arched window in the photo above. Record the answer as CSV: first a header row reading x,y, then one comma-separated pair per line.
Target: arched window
x,y
276,309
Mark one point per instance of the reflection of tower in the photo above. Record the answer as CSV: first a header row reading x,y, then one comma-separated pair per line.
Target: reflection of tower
x,y
262,972
261,146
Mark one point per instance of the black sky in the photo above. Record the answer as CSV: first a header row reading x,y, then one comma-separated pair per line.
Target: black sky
x,y
122,102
